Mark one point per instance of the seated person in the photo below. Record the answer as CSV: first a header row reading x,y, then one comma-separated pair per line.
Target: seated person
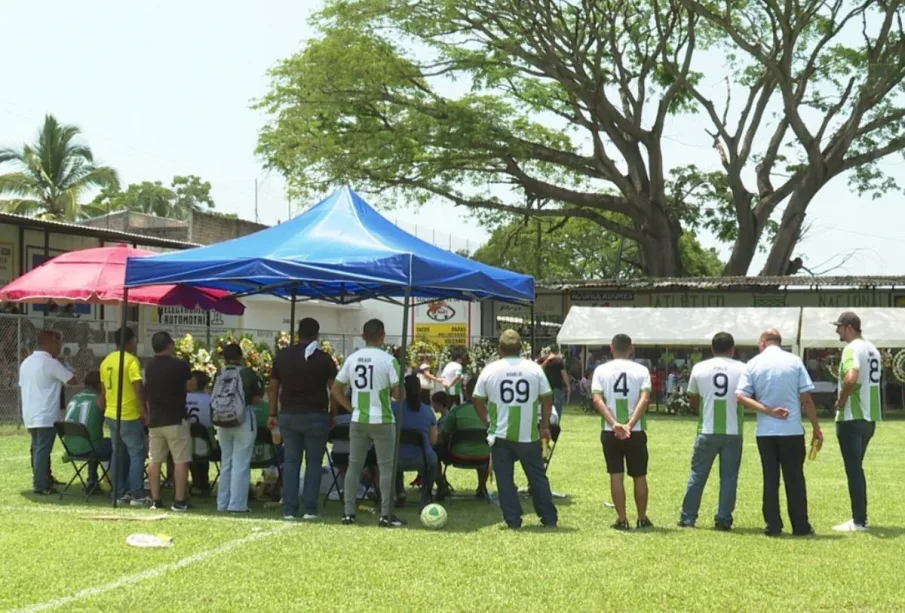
x,y
420,418
198,411
464,417
438,404
85,408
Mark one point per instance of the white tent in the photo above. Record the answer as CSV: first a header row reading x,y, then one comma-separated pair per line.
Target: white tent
x,y
884,327
663,327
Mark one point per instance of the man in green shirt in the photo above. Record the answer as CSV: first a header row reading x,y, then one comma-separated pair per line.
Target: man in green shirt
x,y
464,417
85,408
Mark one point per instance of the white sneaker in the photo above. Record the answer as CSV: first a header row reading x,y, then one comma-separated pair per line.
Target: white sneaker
x,y
850,526
309,516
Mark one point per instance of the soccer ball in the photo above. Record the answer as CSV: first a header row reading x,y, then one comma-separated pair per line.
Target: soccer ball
x,y
433,516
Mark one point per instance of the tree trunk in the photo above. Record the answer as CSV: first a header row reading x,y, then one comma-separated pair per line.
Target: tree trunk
x,y
661,255
745,246
790,229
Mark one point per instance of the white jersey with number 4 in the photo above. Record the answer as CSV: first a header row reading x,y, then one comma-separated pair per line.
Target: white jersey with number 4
x,y
716,381
371,374
864,403
620,383
512,388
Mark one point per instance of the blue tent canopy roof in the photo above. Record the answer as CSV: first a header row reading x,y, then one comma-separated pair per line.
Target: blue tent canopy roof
x,y
342,249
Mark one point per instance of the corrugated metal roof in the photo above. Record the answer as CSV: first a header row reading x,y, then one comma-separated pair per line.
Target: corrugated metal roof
x,y
704,283
102,233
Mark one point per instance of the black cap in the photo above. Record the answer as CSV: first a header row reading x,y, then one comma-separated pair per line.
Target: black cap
x,y
849,318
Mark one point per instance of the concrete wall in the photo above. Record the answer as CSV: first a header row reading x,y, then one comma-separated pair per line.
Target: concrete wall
x,y
207,229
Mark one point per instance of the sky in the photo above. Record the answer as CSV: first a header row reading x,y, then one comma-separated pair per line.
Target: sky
x,y
162,89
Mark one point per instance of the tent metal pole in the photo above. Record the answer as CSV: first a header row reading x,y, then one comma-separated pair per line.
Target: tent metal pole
x,y
533,333
404,361
116,458
292,317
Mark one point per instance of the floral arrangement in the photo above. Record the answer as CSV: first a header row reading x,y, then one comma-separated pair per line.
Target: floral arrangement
x,y
421,352
898,366
258,356
194,353
282,340
328,348
887,357
831,363
678,404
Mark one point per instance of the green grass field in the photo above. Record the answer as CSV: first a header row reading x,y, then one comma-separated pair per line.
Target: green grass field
x,y
55,557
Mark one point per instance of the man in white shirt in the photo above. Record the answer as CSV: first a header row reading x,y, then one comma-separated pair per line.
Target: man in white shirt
x,y
511,389
858,409
454,377
41,377
776,384
711,392
621,393
373,376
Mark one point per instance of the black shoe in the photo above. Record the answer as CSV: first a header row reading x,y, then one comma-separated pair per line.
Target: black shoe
x,y
514,527
180,506
550,525
400,501
722,527
390,522
622,526
645,523
442,493
481,493
809,532
685,524
772,532
348,520
157,505
48,492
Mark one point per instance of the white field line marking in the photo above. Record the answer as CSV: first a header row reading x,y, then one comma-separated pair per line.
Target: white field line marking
x,y
130,580
89,512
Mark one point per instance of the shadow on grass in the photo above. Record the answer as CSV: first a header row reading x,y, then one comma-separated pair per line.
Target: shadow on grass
x,y
786,536
886,532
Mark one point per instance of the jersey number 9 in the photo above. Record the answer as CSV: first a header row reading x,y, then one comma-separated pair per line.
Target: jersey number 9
x,y
721,383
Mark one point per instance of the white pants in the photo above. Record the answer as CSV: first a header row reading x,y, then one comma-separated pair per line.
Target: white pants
x,y
236,446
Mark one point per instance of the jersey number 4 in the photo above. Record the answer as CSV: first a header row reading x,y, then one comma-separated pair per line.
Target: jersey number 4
x,y
621,385
518,391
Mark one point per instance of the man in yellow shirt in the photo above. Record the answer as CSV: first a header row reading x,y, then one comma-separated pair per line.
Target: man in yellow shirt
x,y
131,464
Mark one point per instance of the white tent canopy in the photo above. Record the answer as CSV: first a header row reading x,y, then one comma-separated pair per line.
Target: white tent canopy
x,y
662,327
884,327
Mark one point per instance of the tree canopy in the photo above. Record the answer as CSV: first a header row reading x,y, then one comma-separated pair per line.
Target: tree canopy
x,y
52,174
577,249
185,194
499,105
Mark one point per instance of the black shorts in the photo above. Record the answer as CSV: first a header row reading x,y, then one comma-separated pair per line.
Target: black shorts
x,y
625,455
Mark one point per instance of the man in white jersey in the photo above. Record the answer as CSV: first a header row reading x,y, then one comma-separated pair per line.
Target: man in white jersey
x,y
857,412
621,392
454,377
373,376
512,389
711,392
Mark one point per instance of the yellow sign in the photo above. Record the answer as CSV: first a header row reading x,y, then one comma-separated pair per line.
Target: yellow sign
x,y
442,334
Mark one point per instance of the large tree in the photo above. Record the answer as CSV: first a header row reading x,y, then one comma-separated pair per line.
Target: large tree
x,y
185,195
485,102
577,249
51,174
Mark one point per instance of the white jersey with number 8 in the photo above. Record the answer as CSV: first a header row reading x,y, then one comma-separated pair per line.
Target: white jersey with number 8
x,y
513,388
620,383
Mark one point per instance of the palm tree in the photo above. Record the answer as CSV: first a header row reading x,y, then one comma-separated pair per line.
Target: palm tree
x,y
53,173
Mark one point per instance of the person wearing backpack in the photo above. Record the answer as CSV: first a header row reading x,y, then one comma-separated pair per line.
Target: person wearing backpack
x,y
235,390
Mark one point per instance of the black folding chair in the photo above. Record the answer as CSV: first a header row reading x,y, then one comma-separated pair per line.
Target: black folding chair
x,y
199,432
554,437
80,461
339,462
264,437
415,438
467,436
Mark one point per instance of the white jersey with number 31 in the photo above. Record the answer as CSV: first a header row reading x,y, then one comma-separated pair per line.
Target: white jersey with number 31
x,y
513,388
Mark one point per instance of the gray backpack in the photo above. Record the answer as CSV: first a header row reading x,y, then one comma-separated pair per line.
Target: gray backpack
x,y
228,398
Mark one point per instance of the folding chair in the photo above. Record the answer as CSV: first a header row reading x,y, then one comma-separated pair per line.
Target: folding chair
x,y
80,461
199,432
554,437
264,437
414,438
472,436
339,462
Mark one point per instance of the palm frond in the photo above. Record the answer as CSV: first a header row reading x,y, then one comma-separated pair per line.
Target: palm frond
x,y
21,206
20,184
10,155
101,176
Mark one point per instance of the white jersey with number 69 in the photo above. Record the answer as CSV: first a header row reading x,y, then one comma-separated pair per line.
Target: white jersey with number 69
x,y
512,388
716,381
620,383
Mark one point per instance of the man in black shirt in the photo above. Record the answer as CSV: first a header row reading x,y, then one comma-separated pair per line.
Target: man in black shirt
x,y
301,377
555,369
167,380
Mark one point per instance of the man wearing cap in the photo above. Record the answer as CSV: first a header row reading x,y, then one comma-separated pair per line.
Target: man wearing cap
x,y
511,389
857,411
777,385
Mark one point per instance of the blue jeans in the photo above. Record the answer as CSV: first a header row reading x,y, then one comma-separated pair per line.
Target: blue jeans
x,y
706,448
104,453
236,448
41,447
854,436
303,433
428,474
504,455
132,462
559,402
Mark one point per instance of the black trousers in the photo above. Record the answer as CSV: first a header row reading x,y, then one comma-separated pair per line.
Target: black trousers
x,y
784,454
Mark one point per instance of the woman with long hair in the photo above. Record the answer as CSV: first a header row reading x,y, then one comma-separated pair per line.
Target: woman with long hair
x,y
417,417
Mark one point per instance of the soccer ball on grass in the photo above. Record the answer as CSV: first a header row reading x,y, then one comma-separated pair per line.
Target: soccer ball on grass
x,y
433,517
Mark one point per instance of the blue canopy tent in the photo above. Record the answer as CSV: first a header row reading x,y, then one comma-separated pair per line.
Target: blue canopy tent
x,y
341,250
